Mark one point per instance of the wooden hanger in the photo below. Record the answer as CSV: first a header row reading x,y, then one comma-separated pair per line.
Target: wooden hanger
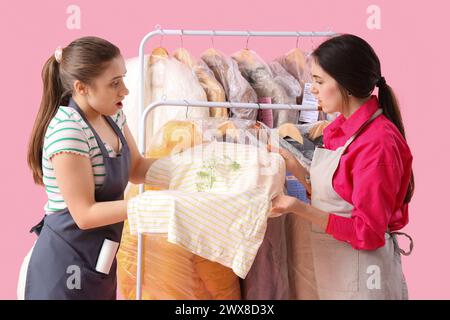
x,y
290,130
317,130
177,136
184,56
160,51
157,54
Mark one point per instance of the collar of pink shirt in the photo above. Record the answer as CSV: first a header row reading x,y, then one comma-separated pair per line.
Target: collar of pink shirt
x,y
345,128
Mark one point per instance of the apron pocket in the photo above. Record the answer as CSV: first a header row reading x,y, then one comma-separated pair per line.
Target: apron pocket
x,y
336,263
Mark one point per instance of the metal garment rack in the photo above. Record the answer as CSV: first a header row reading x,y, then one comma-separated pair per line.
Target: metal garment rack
x,y
144,111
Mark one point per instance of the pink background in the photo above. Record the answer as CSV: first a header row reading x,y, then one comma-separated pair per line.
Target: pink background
x,y
410,45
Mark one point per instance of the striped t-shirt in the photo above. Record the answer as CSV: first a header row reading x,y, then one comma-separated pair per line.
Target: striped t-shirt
x,y
68,132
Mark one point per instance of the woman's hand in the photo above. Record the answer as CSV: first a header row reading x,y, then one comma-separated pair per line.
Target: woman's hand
x,y
283,204
292,166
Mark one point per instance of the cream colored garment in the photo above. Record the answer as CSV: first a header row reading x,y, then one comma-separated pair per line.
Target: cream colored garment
x,y
221,207
262,80
213,89
170,79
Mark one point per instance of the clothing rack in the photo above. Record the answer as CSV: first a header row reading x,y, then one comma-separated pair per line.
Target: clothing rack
x,y
145,111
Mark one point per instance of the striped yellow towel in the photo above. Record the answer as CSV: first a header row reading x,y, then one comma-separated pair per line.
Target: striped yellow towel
x,y
226,228
217,201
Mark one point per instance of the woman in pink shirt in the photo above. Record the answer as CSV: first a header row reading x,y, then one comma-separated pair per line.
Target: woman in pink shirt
x,y
361,180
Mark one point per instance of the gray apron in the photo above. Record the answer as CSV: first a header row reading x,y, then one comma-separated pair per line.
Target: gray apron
x,y
64,251
342,272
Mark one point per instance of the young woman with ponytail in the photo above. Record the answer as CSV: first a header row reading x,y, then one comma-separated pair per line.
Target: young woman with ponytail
x,y
361,181
83,153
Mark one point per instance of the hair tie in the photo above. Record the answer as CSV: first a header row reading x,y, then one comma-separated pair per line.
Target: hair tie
x,y
58,54
381,82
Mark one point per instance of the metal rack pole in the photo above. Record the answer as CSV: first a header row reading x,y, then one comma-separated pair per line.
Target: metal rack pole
x,y
144,113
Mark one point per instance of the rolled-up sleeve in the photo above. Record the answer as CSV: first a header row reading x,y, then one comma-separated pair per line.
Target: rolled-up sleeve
x,y
374,201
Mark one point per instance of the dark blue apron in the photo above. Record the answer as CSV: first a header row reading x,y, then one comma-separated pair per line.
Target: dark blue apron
x,y
62,264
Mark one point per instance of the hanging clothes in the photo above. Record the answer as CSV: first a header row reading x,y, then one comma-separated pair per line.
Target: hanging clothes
x,y
268,278
172,272
223,173
237,89
229,232
213,89
293,92
294,62
260,77
170,79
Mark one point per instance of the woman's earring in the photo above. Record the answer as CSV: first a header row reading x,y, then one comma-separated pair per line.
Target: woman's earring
x,y
349,93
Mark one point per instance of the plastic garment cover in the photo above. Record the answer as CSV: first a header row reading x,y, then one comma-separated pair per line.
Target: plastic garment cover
x,y
298,65
260,77
269,278
293,91
169,271
167,78
237,89
307,78
294,62
213,89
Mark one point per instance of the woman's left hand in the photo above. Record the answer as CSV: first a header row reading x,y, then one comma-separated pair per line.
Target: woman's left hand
x,y
282,204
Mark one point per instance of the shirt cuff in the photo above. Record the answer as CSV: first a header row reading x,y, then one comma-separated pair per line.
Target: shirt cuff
x,y
340,227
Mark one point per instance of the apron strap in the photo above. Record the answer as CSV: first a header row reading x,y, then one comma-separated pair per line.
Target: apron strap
x,y
100,143
397,247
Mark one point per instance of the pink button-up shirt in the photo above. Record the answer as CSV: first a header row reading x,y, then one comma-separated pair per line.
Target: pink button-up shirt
x,y
373,175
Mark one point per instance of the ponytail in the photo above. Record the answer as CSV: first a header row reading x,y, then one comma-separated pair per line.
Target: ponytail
x,y
391,110
51,96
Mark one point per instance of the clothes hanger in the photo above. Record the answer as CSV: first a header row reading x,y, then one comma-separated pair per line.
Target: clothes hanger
x,y
177,136
290,130
160,51
182,55
317,129
248,38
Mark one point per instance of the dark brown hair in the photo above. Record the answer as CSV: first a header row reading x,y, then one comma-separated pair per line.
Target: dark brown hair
x,y
84,59
353,63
